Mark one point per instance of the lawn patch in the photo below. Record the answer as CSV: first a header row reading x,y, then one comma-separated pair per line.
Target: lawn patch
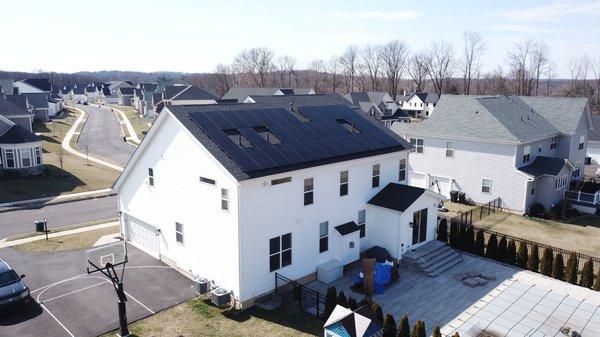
x,y
67,242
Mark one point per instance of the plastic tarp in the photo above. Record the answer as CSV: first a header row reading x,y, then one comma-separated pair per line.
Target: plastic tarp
x,y
383,274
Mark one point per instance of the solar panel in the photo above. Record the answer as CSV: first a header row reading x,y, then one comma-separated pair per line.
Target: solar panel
x,y
321,138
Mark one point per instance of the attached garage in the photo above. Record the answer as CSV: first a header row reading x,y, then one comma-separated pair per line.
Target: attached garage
x,y
142,235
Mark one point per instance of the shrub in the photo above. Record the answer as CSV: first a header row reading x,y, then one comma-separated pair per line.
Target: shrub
x,y
547,261
462,237
389,326
534,259
560,209
470,240
352,304
454,234
558,268
480,243
342,299
537,210
571,272
437,332
377,312
522,256
587,274
597,284
419,329
492,247
330,301
511,252
442,232
456,334
403,328
501,252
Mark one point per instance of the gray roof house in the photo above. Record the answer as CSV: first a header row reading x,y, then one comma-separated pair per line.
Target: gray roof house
x,y
39,105
378,104
240,94
184,95
523,150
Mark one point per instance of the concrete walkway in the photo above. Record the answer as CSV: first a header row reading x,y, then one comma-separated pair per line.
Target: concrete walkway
x,y
66,144
4,244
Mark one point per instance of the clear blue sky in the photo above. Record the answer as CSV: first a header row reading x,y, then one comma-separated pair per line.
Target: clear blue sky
x,y
194,36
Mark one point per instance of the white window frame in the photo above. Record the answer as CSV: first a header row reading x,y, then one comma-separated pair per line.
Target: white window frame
x,y
179,238
581,142
419,148
362,223
402,169
554,143
309,189
13,159
28,156
225,199
344,182
324,236
375,175
484,185
539,148
38,155
151,178
526,153
450,147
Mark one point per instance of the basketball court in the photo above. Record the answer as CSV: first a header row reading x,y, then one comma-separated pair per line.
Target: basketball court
x,y
72,302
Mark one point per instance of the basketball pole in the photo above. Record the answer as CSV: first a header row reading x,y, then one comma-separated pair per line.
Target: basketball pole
x,y
118,284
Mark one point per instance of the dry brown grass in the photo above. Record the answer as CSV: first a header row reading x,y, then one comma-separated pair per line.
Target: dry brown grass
x,y
67,242
455,208
197,317
140,124
581,235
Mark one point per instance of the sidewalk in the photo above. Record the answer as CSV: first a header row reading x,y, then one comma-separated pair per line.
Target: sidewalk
x,y
4,244
16,205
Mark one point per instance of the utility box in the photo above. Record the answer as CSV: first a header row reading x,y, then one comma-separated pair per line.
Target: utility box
x,y
330,271
202,285
220,297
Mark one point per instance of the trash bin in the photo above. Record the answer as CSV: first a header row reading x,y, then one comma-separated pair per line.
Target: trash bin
x,y
462,198
40,225
454,196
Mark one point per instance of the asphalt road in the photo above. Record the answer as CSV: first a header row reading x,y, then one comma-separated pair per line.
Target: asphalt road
x,y
59,215
104,136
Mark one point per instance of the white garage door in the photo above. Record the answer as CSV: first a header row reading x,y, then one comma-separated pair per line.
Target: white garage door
x,y
417,180
142,235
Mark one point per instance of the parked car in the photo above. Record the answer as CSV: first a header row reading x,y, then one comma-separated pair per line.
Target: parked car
x,y
13,291
85,103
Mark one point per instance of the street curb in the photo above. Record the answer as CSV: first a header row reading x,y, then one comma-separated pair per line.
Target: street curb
x,y
61,199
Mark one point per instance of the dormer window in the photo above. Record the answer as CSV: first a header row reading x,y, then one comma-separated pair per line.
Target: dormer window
x,y
267,135
526,153
239,139
348,126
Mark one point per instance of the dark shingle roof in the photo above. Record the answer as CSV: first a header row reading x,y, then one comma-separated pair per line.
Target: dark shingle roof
x,y
37,100
18,135
5,124
126,90
40,83
20,100
149,86
347,228
397,196
240,93
8,108
192,93
78,90
544,166
368,96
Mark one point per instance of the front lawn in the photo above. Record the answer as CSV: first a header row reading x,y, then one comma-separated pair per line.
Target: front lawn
x,y
581,235
197,317
75,176
140,124
67,242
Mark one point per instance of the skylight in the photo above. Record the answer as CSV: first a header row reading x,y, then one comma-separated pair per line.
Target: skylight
x,y
239,139
349,126
267,135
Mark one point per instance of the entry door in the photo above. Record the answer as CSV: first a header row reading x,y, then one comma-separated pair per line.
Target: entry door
x,y
419,226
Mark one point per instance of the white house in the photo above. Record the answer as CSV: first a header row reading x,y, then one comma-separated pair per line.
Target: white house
x,y
419,104
521,149
239,192
33,85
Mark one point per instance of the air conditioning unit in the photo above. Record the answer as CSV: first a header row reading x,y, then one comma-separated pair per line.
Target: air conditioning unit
x,y
220,297
202,285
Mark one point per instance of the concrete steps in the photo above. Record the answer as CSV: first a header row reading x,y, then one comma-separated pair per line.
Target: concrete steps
x,y
432,258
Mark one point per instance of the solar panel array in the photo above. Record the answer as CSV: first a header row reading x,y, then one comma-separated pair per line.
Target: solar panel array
x,y
323,137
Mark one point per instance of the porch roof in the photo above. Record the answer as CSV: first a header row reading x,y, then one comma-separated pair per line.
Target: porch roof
x,y
397,196
544,166
347,228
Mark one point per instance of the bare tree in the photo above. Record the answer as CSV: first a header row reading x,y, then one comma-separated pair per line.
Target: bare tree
x,y
317,67
550,73
596,71
334,67
518,65
579,67
440,64
85,143
539,61
417,70
257,63
393,58
60,156
349,62
370,61
473,47
222,78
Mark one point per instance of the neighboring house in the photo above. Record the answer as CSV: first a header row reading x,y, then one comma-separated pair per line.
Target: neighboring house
x,y
593,144
91,93
106,97
38,103
114,86
125,96
17,110
78,93
400,116
185,95
419,104
34,85
241,94
7,86
381,100
238,192
145,102
523,150
344,322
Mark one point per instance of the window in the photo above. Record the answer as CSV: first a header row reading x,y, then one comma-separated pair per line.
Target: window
x,y
25,157
179,232
343,183
280,252
207,181
554,143
267,135
281,181
38,156
323,237
576,170
533,190
561,182
402,170
10,158
308,191
362,217
486,186
581,142
236,137
224,199
418,144
375,179
526,153
150,176
348,126
449,149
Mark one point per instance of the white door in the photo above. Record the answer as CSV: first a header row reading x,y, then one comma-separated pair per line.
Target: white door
x,y
142,235
417,180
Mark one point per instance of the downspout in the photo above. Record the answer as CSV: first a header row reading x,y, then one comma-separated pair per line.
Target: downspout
x,y
239,225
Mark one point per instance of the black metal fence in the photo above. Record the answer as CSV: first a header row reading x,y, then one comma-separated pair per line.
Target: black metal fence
x,y
477,213
309,300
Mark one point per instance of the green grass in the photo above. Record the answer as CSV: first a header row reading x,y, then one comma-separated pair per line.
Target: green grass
x,y
67,242
61,229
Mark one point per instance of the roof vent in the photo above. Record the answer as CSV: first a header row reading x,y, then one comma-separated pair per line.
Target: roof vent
x,y
476,111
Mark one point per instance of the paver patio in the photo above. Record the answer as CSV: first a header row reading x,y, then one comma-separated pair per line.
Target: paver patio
x,y
516,303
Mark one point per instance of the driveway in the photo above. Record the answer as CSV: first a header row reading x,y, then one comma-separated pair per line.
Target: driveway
x,y
103,136
72,303
58,215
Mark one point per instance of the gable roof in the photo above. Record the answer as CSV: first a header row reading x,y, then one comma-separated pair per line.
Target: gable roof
x,y
126,90
20,100
368,96
544,166
495,118
398,197
192,93
240,93
148,86
8,108
37,100
78,90
172,90
5,124
347,228
426,97
563,112
40,83
18,135
322,140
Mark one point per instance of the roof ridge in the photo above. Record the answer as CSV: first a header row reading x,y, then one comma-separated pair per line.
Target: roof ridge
x,y
181,92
